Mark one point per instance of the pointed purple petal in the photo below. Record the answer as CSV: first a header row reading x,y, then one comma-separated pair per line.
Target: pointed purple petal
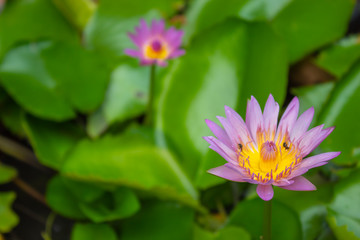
x,y
265,192
283,182
132,53
231,113
135,39
271,113
300,184
226,173
145,62
158,27
238,126
288,119
310,140
302,124
229,131
177,53
254,118
240,170
305,142
219,132
172,35
320,158
143,25
221,148
161,63
143,31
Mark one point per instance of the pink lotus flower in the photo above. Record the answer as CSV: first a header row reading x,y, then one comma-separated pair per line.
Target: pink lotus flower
x,y
261,152
155,44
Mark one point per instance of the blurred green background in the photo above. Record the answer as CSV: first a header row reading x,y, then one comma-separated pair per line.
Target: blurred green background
x,y
78,163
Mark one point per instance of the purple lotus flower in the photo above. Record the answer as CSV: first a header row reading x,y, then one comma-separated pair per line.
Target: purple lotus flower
x,y
261,152
155,43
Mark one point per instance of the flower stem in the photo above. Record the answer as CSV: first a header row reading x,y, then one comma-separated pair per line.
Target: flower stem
x,y
14,149
47,235
267,220
149,116
30,190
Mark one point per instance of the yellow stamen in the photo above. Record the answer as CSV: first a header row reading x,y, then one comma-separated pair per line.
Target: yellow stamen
x,y
156,50
271,160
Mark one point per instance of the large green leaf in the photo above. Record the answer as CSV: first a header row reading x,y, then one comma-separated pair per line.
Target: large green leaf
x,y
226,233
8,219
346,196
256,10
81,75
7,173
265,64
83,191
51,141
160,221
132,161
81,200
107,30
62,200
338,58
11,115
346,216
311,207
344,227
120,204
204,14
233,61
127,92
318,20
314,96
50,80
341,111
309,24
90,231
249,215
78,12
24,76
126,97
230,232
24,20
202,234
96,123
204,179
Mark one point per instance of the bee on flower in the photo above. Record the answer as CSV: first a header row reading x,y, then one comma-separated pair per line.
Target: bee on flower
x,y
262,152
155,44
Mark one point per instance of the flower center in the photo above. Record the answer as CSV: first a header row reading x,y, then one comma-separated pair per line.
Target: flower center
x,y
156,50
156,46
268,156
272,160
268,151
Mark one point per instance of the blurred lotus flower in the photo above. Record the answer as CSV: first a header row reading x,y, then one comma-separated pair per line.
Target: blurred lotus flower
x,y
2,4
155,43
260,152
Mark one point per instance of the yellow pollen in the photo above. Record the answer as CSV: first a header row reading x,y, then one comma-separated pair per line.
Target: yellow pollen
x,y
271,160
156,50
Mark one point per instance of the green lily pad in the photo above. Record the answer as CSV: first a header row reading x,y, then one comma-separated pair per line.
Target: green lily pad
x,y
8,219
51,141
46,23
159,220
130,160
7,173
91,231
249,215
